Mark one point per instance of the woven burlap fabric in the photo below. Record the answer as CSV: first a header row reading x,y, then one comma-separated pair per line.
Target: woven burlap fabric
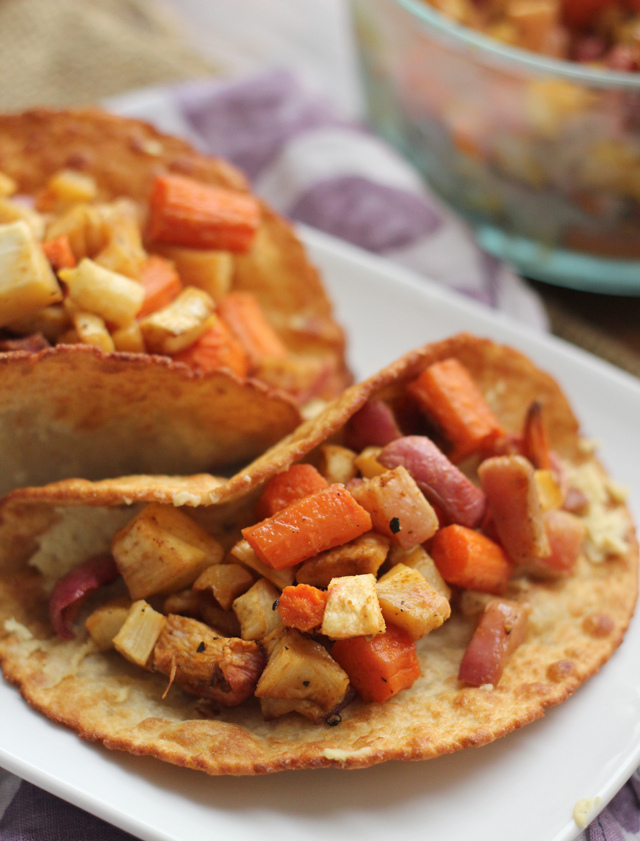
x,y
75,52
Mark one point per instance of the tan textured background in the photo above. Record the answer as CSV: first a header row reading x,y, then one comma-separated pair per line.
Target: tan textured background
x,y
75,52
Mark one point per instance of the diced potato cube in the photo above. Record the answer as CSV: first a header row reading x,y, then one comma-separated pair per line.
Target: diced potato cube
x,y
365,554
226,582
301,676
92,330
280,577
162,550
129,339
418,558
203,663
256,610
336,464
211,271
352,608
7,185
105,622
410,602
27,283
398,508
67,187
178,325
112,296
139,633
367,463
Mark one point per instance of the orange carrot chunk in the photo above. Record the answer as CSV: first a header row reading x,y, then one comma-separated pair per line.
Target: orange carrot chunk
x,y
466,558
302,607
298,481
313,524
58,252
244,317
216,348
161,284
379,667
185,212
446,392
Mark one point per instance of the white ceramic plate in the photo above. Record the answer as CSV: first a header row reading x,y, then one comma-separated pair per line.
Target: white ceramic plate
x,y
522,787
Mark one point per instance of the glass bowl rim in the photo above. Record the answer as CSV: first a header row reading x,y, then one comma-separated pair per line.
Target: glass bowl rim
x,y
470,41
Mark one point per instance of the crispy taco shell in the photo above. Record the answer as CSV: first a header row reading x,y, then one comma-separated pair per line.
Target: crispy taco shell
x,y
192,422
575,624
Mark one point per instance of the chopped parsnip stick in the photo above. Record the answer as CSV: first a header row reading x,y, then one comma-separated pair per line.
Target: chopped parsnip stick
x,y
139,633
179,324
110,295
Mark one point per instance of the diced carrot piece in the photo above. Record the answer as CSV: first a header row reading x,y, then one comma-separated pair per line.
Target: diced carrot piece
x,y
466,558
311,525
535,439
216,348
298,481
58,252
302,607
381,666
161,284
185,212
243,315
446,392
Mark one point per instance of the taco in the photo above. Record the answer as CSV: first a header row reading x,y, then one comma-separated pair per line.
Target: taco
x,y
427,565
140,277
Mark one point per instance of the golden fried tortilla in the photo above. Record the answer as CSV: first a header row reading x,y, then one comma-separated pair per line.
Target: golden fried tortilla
x,y
70,415
575,623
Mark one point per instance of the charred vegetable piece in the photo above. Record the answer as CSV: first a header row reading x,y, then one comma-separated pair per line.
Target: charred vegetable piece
x,y
310,525
365,554
501,629
203,663
469,559
379,667
72,589
186,212
447,393
441,482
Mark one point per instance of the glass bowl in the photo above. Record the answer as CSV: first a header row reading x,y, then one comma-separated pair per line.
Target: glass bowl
x,y
541,156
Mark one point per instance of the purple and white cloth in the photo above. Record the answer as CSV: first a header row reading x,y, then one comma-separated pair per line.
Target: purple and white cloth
x,y
323,170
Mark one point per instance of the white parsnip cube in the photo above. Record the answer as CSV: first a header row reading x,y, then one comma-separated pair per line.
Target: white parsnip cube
x,y
410,602
300,676
162,550
92,330
225,581
12,211
336,464
352,608
256,610
244,553
418,558
123,251
211,271
92,288
105,622
27,283
178,325
365,554
139,633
